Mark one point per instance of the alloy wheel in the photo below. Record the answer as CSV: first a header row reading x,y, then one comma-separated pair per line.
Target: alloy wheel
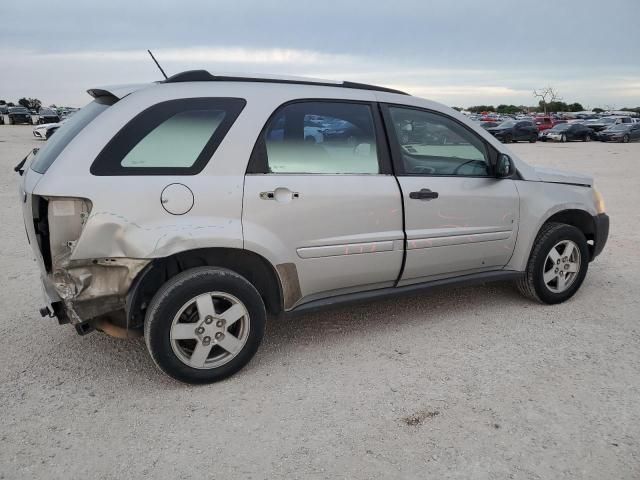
x,y
209,330
561,267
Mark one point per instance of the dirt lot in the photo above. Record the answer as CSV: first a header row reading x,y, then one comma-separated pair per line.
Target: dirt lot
x,y
461,383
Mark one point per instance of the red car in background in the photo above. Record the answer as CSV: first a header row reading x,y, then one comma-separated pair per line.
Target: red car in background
x,y
545,123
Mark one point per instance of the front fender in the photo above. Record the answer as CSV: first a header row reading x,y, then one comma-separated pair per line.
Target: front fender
x,y
539,201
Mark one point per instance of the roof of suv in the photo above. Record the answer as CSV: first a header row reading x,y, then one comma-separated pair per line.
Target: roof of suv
x,y
120,91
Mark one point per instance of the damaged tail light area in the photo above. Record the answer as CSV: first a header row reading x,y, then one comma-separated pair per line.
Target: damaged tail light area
x,y
89,288
58,223
66,219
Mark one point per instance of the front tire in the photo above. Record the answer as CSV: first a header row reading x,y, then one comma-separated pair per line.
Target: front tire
x,y
204,325
563,138
557,266
533,139
625,139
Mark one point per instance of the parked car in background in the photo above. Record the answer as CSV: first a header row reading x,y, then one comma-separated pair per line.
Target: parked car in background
x,y
3,111
545,123
46,115
622,132
45,130
18,115
605,122
566,132
515,131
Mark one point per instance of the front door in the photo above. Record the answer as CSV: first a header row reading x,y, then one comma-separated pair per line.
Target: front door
x,y
320,202
459,218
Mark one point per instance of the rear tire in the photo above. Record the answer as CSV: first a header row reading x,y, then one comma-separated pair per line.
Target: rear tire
x,y
557,265
533,139
563,138
625,139
508,139
204,325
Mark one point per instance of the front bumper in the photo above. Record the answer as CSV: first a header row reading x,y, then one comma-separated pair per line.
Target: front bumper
x,y
555,138
601,222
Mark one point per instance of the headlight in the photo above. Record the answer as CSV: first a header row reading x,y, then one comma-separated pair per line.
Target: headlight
x,y
599,201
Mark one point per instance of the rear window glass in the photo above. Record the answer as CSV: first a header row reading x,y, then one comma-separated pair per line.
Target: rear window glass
x,y
176,142
175,137
67,131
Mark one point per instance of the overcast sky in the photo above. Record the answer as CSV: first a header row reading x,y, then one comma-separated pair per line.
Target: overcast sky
x,y
459,52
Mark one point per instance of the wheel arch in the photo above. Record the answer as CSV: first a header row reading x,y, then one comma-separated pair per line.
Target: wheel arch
x,y
254,267
581,219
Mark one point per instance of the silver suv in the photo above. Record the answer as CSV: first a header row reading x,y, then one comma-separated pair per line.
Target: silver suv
x,y
187,209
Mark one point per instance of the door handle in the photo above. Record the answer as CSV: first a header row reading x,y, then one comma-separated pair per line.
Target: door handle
x,y
280,194
423,194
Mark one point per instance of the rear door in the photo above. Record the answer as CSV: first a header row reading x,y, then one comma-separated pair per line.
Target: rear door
x,y
320,202
459,218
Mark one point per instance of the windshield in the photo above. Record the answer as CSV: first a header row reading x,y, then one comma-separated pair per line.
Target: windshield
x,y
507,124
560,127
46,111
18,110
620,127
67,131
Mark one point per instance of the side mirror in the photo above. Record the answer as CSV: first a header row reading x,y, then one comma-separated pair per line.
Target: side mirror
x,y
504,166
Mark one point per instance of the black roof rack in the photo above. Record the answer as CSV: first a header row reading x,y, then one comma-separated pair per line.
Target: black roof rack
x,y
204,76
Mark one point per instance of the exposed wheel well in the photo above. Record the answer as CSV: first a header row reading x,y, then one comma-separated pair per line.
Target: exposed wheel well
x,y
255,268
580,219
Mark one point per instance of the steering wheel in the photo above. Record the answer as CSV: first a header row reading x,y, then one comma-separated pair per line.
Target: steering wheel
x,y
424,169
457,169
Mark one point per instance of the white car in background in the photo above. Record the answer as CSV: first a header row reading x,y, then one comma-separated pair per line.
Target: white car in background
x,y
44,131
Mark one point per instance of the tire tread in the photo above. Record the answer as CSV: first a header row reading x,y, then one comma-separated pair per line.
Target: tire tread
x,y
526,284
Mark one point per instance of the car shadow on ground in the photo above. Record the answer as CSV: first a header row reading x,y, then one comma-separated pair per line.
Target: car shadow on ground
x,y
99,355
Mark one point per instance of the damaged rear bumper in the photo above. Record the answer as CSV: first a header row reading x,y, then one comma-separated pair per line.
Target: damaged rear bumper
x,y
90,289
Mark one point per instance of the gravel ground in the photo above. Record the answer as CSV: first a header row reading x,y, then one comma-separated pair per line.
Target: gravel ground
x,y
461,383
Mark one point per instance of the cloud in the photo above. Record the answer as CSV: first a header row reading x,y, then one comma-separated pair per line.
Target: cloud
x,y
207,55
64,77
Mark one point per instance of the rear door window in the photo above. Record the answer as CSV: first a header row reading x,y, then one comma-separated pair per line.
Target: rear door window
x,y
320,137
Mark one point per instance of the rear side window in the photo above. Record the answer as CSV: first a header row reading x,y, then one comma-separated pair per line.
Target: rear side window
x,y
67,131
319,137
177,137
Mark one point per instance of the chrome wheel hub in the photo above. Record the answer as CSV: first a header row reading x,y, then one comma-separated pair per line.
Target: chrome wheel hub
x,y
209,330
561,267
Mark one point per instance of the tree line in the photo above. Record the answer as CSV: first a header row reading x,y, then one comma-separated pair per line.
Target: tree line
x,y
556,106
30,103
